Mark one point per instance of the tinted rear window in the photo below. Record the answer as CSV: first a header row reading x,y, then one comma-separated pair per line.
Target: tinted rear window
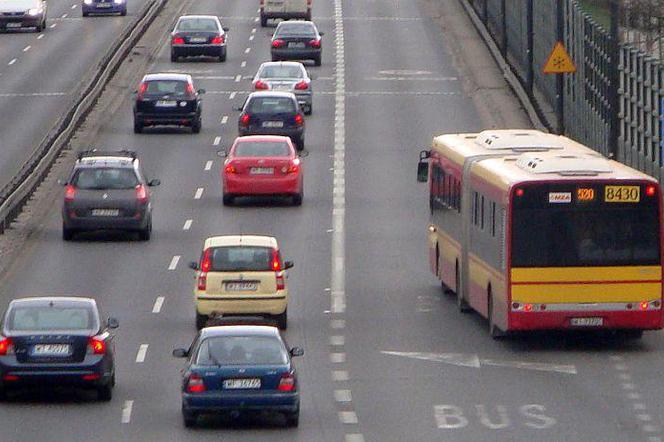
x,y
197,24
271,105
262,149
296,30
164,87
241,350
281,72
38,318
237,258
105,178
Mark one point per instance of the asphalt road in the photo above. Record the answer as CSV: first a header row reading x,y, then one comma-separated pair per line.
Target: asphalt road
x,y
388,357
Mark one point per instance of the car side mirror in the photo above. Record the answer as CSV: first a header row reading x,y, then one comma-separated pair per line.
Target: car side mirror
x,y
239,108
288,264
180,353
134,92
193,265
154,182
296,351
222,153
112,323
201,92
321,33
423,167
226,29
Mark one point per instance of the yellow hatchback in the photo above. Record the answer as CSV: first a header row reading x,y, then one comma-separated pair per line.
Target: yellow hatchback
x,y
241,275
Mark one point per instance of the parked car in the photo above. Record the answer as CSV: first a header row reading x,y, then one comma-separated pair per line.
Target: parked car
x,y
19,14
289,76
103,7
273,113
297,40
198,35
284,9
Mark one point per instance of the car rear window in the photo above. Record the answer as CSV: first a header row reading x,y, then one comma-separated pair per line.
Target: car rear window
x,y
271,105
166,87
105,178
49,318
281,72
296,30
241,258
241,350
262,149
197,24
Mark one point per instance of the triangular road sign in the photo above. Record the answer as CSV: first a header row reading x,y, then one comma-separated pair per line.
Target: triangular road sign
x,y
559,62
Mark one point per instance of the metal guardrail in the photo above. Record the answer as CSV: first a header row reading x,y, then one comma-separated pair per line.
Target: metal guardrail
x,y
15,194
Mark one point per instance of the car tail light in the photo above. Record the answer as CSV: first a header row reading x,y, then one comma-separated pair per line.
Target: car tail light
x,y
294,166
10,377
202,282
189,90
96,346
302,86
230,168
281,283
261,85
91,377
177,40
70,193
299,120
276,262
278,43
218,39
244,120
314,43
141,194
6,346
195,384
206,263
287,382
141,90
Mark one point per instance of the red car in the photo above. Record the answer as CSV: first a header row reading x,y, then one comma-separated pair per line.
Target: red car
x,y
262,165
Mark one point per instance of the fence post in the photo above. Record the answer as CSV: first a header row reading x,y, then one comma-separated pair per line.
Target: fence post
x,y
560,105
503,11
530,74
614,82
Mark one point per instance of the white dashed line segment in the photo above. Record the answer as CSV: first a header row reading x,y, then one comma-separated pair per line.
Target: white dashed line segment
x,y
158,303
198,194
246,51
187,224
174,262
73,6
232,95
251,37
224,119
52,26
340,375
238,77
27,48
12,61
208,165
216,141
348,417
343,396
243,64
142,352
64,15
40,36
126,411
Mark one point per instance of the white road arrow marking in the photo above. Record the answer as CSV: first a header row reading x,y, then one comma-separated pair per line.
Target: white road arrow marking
x,y
474,361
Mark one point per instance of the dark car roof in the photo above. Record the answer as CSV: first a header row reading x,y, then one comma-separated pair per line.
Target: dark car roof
x,y
271,94
241,330
166,76
62,301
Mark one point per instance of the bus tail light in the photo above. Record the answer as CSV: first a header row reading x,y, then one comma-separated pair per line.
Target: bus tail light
x,y
519,192
528,308
651,190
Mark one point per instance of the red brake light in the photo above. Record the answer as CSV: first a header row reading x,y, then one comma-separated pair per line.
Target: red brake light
x,y
643,305
299,120
244,120
302,86
276,262
278,43
519,192
141,194
195,384
651,190
206,261
189,90
294,166
96,346
287,382
70,193
6,346
315,43
219,39
178,40
261,85
527,307
281,284
141,90
229,168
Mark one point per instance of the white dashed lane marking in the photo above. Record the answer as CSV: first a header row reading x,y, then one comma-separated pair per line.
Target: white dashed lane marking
x,y
64,15
198,194
40,36
354,438
246,51
243,64
224,119
232,95
12,61
142,352
208,165
343,396
187,225
126,411
340,375
216,141
337,340
253,30
52,26
27,48
348,417
158,303
251,37
238,77
174,262
337,358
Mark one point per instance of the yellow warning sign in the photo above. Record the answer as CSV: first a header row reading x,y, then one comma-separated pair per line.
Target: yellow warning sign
x,y
559,61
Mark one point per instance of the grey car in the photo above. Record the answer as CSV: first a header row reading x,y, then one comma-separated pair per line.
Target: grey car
x,y
107,191
19,14
287,76
297,40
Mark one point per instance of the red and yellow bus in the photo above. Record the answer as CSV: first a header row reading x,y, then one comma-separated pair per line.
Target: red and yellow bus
x,y
536,231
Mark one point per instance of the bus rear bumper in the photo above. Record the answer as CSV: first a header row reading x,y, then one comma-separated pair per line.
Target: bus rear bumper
x,y
586,320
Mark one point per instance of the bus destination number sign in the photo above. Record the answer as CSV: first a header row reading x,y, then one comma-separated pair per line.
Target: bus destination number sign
x,y
622,194
585,194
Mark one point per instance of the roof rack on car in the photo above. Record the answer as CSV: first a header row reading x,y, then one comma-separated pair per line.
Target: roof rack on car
x,y
106,153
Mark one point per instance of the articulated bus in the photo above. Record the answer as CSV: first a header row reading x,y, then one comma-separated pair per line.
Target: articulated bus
x,y
536,231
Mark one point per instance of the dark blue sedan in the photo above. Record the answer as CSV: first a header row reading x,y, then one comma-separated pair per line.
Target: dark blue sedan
x,y
55,341
239,368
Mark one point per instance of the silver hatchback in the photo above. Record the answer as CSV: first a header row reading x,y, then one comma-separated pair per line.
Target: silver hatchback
x,y
286,76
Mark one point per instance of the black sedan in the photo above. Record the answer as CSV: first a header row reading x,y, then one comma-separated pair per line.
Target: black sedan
x,y
273,113
168,99
57,341
107,191
196,35
239,368
297,40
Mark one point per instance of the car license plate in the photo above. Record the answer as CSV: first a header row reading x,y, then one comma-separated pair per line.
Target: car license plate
x,y
105,212
273,124
50,350
198,39
261,170
241,286
282,87
236,384
13,25
296,44
104,5
586,322
166,103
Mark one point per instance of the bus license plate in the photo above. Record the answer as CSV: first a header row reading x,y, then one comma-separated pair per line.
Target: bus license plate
x,y
587,322
236,384
622,194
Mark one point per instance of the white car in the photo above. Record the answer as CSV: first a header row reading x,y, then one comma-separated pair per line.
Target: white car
x,y
285,9
19,14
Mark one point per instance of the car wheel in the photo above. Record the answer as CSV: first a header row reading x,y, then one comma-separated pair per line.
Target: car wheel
x,y
228,199
308,109
3,395
201,320
145,234
299,144
41,26
222,57
67,234
138,126
317,61
293,419
263,21
174,58
105,392
123,12
297,199
282,320
85,14
196,125
190,419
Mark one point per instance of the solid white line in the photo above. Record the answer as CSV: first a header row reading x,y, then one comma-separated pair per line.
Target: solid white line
x,y
187,224
198,194
142,352
238,78
224,119
27,48
246,51
216,141
158,303
12,62
232,95
243,64
126,411
40,36
174,262
208,165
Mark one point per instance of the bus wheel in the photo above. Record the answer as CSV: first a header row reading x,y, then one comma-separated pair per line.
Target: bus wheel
x,y
462,304
494,331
